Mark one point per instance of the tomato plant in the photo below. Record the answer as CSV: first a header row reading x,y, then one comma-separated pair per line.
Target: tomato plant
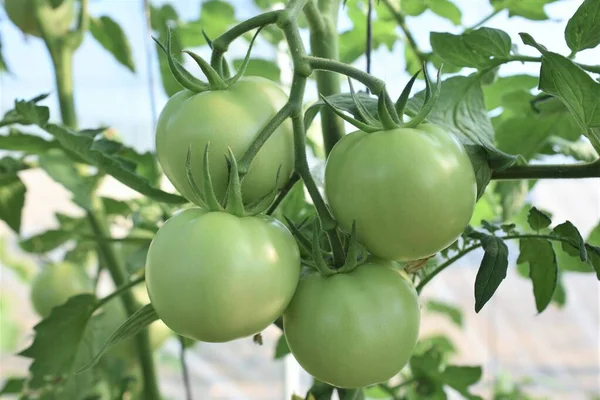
x,y
55,284
342,263
332,320
411,192
230,118
215,277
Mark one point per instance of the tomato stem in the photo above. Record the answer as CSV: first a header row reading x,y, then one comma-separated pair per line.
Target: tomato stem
x,y
550,171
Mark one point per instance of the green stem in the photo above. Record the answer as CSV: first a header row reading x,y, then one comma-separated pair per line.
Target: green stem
x,y
486,19
322,20
401,20
120,290
283,193
568,171
62,57
374,84
590,68
117,272
469,249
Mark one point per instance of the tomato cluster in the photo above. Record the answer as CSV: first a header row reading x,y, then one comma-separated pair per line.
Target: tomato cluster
x,y
215,277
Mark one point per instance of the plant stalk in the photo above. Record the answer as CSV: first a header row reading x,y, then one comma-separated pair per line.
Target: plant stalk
x,y
566,171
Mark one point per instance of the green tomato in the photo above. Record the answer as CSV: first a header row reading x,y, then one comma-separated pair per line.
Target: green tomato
x,y
56,284
21,13
225,118
215,277
354,329
411,192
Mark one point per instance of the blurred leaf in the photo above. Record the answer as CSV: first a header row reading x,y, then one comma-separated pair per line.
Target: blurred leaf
x,y
29,144
461,377
352,42
13,386
492,270
162,19
320,390
110,35
538,219
282,349
3,64
134,324
580,150
445,9
441,343
530,9
560,294
543,269
260,67
494,92
115,207
558,77
513,195
452,312
583,29
59,340
12,200
413,7
351,394
61,169
46,241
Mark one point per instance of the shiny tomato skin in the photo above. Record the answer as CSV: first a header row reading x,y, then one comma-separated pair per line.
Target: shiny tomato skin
x,y
225,118
354,329
55,284
411,191
216,277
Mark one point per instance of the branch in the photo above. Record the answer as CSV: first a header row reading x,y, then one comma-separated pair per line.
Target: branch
x,y
565,171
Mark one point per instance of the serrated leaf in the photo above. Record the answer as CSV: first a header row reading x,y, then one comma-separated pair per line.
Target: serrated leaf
x,y
543,269
110,35
583,29
57,340
82,146
12,200
580,93
480,48
537,219
454,313
46,241
461,378
134,324
282,349
492,270
576,245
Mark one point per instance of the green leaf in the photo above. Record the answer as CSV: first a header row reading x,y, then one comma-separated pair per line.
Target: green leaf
x,y
583,29
530,9
12,200
352,42
481,167
480,48
162,19
115,207
260,67
413,7
441,343
543,269
576,245
570,261
492,270
110,35
580,150
494,92
60,168
82,146
47,241
461,377
3,64
580,93
30,144
58,339
320,390
513,195
351,394
134,324
560,294
452,312
537,219
282,349
445,9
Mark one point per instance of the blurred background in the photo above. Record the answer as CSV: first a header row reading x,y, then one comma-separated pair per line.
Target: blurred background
x,y
555,355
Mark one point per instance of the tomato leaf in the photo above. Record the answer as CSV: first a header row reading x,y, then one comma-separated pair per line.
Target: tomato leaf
x,y
494,92
282,349
59,339
29,144
110,35
543,269
454,313
583,29
461,377
576,244
46,241
134,324
537,219
492,270
320,390
13,386
351,394
480,48
558,77
530,9
445,9
560,294
161,20
27,112
12,200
